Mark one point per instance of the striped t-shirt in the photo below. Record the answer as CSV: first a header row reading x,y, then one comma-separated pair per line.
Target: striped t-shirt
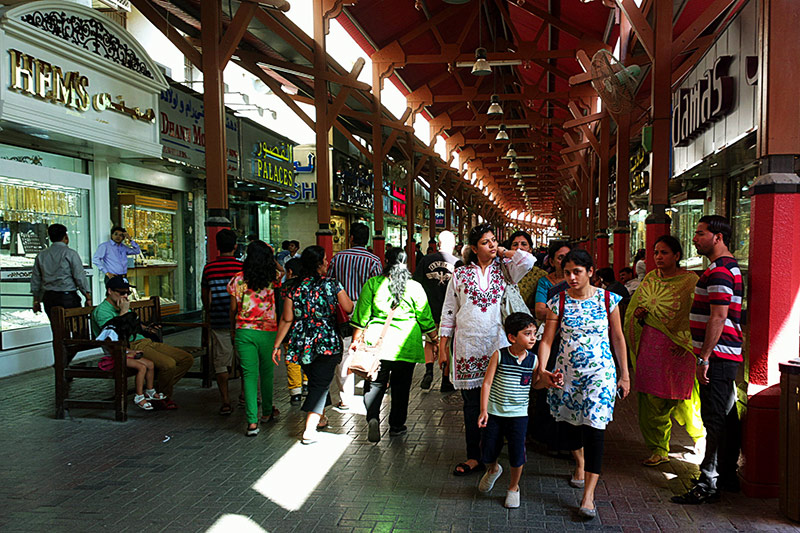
x,y
216,275
720,284
353,267
511,386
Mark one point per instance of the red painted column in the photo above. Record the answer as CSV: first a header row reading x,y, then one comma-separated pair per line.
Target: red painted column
x,y
601,253
774,311
773,303
658,222
324,234
622,233
622,243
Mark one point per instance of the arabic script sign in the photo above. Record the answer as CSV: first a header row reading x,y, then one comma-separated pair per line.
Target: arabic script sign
x,y
267,158
182,129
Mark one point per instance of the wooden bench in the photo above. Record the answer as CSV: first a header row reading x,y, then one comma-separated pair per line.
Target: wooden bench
x,y
72,334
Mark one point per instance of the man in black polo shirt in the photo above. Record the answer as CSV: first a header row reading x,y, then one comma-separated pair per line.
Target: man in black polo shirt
x,y
434,272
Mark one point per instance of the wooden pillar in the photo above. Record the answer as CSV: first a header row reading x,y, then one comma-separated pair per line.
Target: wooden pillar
x,y
324,235
378,238
774,307
462,213
411,200
601,239
658,222
214,109
591,187
448,204
622,233
433,193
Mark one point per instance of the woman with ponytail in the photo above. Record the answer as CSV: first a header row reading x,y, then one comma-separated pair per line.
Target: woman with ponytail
x,y
402,345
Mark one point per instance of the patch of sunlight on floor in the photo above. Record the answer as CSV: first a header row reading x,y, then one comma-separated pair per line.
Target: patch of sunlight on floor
x,y
235,523
669,475
292,479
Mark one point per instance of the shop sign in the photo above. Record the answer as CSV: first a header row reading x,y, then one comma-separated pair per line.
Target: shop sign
x,y
268,158
304,192
69,70
708,100
639,176
183,134
399,202
440,218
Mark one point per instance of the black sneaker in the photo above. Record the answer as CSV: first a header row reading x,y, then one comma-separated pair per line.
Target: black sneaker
x,y
396,432
447,386
296,399
699,494
427,379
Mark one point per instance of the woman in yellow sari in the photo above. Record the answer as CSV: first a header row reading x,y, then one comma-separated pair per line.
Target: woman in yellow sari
x,y
657,332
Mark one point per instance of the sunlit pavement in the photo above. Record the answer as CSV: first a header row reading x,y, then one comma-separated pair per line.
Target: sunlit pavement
x,y
194,470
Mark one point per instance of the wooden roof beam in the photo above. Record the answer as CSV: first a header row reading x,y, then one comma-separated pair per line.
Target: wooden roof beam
x,y
640,26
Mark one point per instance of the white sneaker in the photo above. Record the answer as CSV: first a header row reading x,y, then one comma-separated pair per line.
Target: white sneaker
x,y
488,480
512,499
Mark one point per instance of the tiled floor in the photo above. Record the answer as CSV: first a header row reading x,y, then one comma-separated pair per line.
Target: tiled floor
x,y
193,470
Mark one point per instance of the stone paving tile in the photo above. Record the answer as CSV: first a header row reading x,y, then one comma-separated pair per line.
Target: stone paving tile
x,y
190,469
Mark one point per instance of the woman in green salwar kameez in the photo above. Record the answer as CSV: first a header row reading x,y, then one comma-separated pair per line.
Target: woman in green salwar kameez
x,y
657,332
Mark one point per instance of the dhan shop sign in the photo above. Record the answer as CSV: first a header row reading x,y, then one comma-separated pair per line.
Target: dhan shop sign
x,y
267,158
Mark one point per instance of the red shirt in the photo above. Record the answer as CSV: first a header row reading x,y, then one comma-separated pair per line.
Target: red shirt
x,y
720,284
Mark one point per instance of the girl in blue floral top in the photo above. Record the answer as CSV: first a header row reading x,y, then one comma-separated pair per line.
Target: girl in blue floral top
x,y
589,322
310,312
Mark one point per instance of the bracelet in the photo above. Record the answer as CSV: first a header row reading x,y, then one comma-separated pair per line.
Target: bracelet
x,y
702,362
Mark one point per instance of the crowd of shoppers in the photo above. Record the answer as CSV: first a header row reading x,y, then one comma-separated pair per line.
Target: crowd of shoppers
x,y
682,335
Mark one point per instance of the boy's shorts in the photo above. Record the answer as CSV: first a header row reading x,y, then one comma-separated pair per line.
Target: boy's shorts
x,y
513,428
221,350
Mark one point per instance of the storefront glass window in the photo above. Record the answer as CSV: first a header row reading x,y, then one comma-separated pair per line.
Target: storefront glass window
x,y
151,223
27,208
740,219
638,230
684,224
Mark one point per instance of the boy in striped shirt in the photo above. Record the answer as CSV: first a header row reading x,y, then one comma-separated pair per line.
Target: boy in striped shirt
x,y
504,403
717,340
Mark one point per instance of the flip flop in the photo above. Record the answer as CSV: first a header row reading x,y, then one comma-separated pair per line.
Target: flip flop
x,y
225,409
467,470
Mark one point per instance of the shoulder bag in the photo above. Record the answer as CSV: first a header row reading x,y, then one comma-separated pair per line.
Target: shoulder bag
x,y
512,301
366,360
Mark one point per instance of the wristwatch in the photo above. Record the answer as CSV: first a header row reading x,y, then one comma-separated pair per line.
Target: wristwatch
x,y
702,362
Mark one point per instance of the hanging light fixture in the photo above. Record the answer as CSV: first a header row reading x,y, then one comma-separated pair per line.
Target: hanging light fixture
x,y
513,165
501,134
481,66
517,176
511,152
494,108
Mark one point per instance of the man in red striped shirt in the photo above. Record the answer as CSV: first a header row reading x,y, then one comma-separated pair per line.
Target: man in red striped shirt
x,y
216,303
352,267
717,339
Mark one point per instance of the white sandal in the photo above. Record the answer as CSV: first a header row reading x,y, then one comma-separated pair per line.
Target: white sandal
x,y
151,394
142,402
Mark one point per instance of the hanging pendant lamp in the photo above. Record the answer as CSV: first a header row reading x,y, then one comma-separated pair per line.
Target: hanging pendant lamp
x,y
513,165
481,66
501,134
494,108
511,152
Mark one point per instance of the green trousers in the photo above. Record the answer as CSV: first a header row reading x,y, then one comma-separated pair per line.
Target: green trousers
x,y
655,419
255,355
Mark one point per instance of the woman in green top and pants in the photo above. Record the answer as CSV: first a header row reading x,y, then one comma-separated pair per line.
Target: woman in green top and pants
x,y
394,289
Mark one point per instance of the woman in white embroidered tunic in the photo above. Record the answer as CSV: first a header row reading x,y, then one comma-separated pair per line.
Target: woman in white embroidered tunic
x,y
471,317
